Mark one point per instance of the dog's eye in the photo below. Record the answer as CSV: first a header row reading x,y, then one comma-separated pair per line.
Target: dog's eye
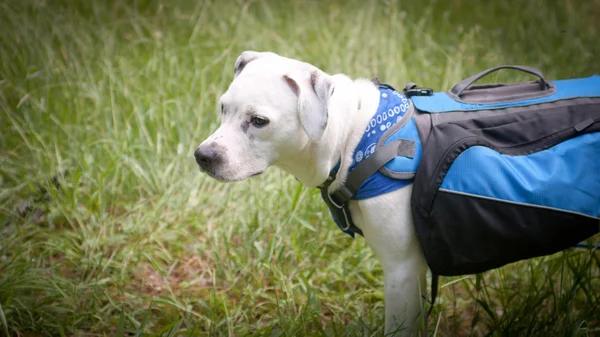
x,y
222,107
259,121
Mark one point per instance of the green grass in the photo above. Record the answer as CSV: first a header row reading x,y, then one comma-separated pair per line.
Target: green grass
x,y
107,227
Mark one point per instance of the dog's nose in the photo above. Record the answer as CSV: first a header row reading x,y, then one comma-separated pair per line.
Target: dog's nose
x,y
206,156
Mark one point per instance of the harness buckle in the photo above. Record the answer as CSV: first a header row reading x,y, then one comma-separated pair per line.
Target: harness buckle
x,y
412,89
341,196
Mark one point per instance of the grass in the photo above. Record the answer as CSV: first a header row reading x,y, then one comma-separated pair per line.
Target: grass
x,y
108,229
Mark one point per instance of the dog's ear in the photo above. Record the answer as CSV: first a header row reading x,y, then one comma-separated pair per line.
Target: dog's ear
x,y
313,89
245,58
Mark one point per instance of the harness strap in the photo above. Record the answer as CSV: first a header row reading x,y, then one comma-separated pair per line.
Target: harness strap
x,y
434,291
370,165
337,202
341,213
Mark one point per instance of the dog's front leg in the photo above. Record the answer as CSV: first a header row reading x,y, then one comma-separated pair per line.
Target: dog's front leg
x,y
386,222
404,283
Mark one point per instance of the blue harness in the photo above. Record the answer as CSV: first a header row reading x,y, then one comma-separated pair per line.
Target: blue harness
x,y
392,123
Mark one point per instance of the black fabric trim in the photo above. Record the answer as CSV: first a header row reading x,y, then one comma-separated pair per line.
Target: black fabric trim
x,y
464,235
424,122
456,116
470,195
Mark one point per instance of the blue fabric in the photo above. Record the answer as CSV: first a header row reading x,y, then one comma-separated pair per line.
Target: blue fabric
x,y
405,164
378,184
392,107
565,89
566,176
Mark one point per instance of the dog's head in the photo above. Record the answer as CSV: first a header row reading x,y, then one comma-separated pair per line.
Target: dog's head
x,y
273,109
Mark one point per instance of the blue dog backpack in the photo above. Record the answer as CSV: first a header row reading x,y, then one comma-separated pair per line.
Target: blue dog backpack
x,y
500,172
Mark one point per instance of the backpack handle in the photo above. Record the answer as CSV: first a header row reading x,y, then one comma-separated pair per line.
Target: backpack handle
x,y
465,84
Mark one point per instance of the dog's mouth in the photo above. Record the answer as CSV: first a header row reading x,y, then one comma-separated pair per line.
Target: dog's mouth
x,y
212,173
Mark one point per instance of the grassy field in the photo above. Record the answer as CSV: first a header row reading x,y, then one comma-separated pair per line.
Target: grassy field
x,y
108,229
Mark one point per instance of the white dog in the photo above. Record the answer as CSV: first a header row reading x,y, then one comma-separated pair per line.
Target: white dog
x,y
283,112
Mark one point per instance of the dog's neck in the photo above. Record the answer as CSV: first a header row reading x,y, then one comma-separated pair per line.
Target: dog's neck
x,y
348,115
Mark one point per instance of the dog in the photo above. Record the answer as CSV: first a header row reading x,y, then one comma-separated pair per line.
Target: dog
x,y
290,114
